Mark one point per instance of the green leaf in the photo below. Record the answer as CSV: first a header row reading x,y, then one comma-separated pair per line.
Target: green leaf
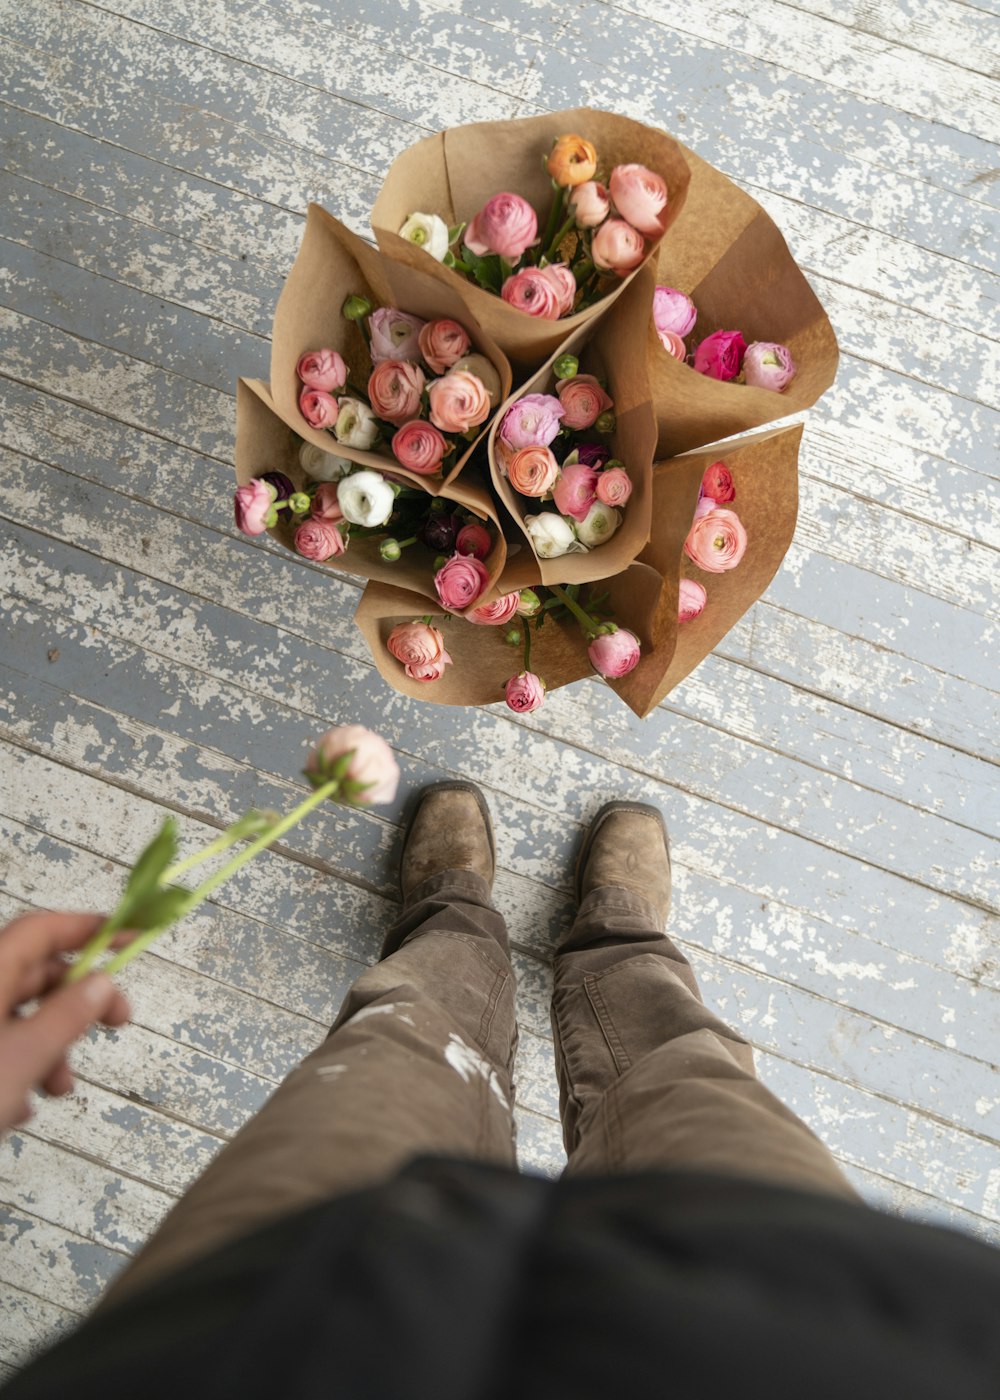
x,y
487,270
157,909
455,233
153,862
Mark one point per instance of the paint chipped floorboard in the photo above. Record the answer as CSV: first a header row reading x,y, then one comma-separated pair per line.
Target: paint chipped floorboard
x,y
828,775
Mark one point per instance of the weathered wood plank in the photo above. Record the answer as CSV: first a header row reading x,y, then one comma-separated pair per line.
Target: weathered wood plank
x,y
30,1323
54,1264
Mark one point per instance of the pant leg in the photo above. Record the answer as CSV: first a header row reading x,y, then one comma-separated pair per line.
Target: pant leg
x,y
419,1060
648,1076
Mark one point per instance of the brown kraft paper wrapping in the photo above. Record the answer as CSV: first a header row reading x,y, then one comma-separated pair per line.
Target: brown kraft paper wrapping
x,y
729,257
332,264
264,442
454,173
613,349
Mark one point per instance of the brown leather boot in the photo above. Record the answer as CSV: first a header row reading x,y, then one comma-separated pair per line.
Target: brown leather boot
x,y
627,848
449,830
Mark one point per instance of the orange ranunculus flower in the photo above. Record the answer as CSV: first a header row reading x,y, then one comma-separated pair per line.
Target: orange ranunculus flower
x,y
573,161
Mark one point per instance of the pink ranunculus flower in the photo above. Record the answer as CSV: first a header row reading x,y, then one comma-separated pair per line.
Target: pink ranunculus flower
x,y
691,600
319,409
673,345
717,483
319,540
395,335
532,422
640,195
768,365
473,539
614,487
614,654
485,372
251,504
322,369
524,692
498,612
617,247
458,402
583,401
563,283
673,311
506,224
590,204
575,491
420,647
419,447
716,541
532,292
442,343
533,471
394,389
720,355
372,775
460,581
326,504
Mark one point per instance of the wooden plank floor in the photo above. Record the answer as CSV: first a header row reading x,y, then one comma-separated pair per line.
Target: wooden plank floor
x,y
828,775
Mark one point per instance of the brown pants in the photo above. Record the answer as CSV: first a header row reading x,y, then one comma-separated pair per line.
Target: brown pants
x,y
420,1060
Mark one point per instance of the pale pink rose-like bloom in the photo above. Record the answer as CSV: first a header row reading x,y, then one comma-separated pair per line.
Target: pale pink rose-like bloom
x,y
251,504
583,401
326,503
319,540
617,247
614,487
720,355
322,369
533,471
716,541
394,389
524,692
691,600
590,204
533,293
614,654
319,409
395,335
460,581
506,224
484,370
575,491
420,647
532,422
372,767
473,539
768,365
673,345
673,311
419,447
442,343
640,196
563,283
498,612
458,402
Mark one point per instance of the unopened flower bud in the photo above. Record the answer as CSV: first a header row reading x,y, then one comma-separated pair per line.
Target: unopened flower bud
x,y
566,367
390,551
614,462
529,602
299,502
513,637
605,423
356,308
440,562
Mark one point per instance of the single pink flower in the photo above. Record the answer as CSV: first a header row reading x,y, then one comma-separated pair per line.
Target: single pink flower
x,y
326,503
640,195
319,540
720,355
717,541
394,389
372,775
533,293
458,402
673,312
494,614
419,447
563,283
614,654
691,600
590,204
395,335
524,692
617,247
613,487
460,581
768,365
717,483
442,343
322,369
532,422
583,401
506,224
673,345
533,471
420,647
251,504
473,539
575,491
319,409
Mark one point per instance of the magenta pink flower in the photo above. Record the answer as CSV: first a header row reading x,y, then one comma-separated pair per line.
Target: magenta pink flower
x,y
372,775
420,647
532,292
319,540
768,365
614,654
322,369
613,487
506,224
460,581
590,204
640,195
691,600
673,312
498,612
473,539
718,483
319,409
532,422
524,692
583,401
716,541
394,389
720,355
395,335
617,247
251,504
419,447
326,503
575,491
442,343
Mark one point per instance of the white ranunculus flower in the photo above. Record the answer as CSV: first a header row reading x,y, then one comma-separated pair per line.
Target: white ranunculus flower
x,y
599,524
365,498
320,465
551,535
356,425
427,231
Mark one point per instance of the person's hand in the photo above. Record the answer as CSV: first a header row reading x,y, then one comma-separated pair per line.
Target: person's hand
x,y
33,1046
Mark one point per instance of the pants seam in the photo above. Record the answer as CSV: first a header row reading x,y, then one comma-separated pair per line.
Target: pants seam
x,y
614,1041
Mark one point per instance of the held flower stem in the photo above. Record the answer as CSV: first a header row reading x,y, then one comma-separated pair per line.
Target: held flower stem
x,y
588,623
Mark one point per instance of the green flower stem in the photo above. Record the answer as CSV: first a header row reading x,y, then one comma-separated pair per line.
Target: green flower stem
x,y
555,214
553,246
527,648
587,622
358,393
